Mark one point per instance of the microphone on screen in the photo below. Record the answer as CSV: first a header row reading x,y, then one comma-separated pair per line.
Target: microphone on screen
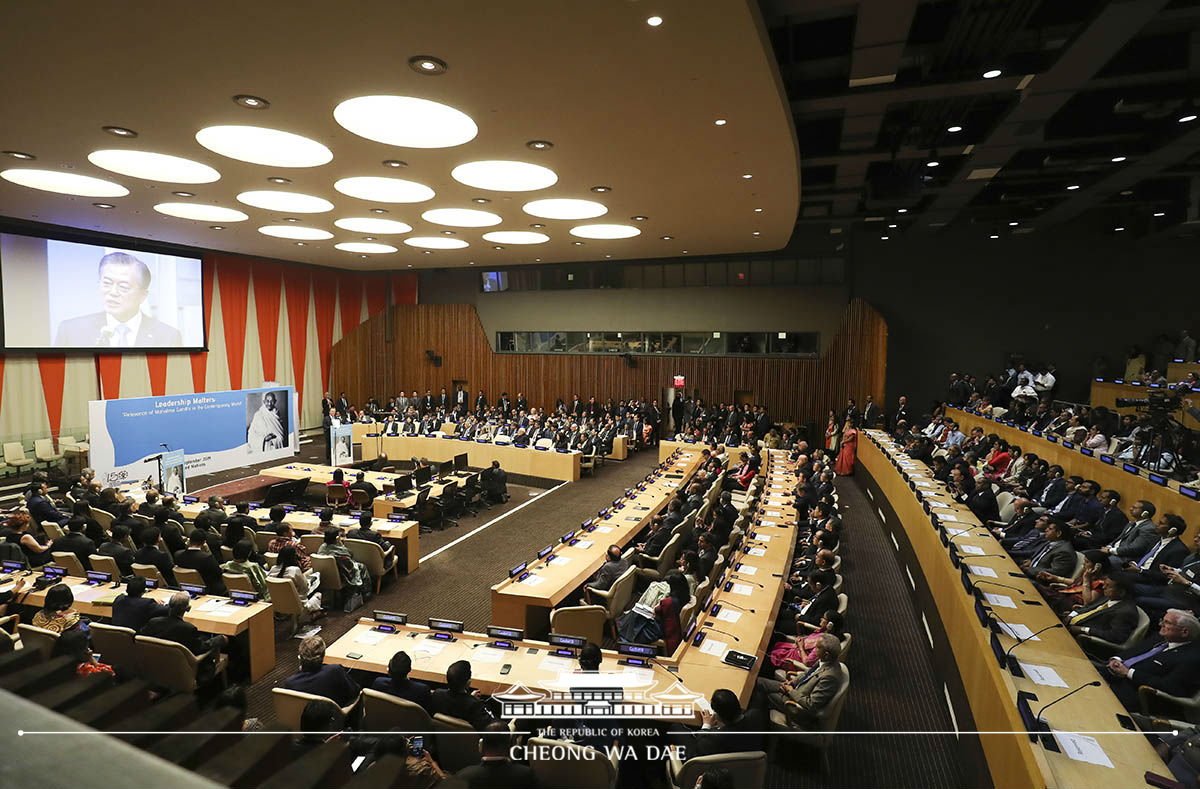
x,y
1093,684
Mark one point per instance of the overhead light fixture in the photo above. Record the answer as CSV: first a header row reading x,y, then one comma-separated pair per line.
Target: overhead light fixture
x,y
654,21
666,238
1118,229
251,102
884,238
992,73
1126,192
1117,159
893,226
427,65
120,131
301,244
685,252
428,252
954,129
384,190
379,210
64,183
758,210
405,121
932,163
1012,224
435,242
290,202
20,155
1072,187
259,145
290,219
480,200
605,231
565,208
993,236
365,248
639,218
537,225
368,238
295,232
1160,213
577,243
104,205
364,257
448,233
201,213
153,166
757,233
472,262
394,163
461,217
279,179
1191,116
184,194
901,210
497,247
537,260
516,237
747,175
539,145
216,227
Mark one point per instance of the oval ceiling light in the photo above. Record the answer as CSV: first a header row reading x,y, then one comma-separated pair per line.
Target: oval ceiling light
x,y
992,73
436,242
565,208
286,202
201,212
504,176
516,237
605,231
259,145
154,166
381,189
364,248
405,121
366,224
64,183
295,232
461,217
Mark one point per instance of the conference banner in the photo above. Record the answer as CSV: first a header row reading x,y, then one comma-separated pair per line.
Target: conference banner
x,y
215,431
341,439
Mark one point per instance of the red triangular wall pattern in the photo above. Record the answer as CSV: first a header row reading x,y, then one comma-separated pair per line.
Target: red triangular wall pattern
x,y
53,367
156,366
199,359
324,289
233,280
296,291
267,283
108,367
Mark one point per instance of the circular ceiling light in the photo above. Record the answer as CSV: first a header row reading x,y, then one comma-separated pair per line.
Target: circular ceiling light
x,y
565,208
64,183
601,188
259,145
427,65
605,231
932,163
1072,187
504,176
289,202
405,121
20,155
639,218
384,190
251,102
435,242
516,237
654,21
461,217
1117,159
720,122
992,73
201,212
295,232
1188,118
104,205
366,224
120,131
539,145
279,179
184,194
394,163
365,248
153,166
954,129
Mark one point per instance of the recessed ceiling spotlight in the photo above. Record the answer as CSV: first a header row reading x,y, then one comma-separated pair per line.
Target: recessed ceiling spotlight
x,y
368,238
279,179
757,233
537,225
428,252
747,175
447,232
364,257
410,265
932,163
893,226
901,210
577,243
539,145
884,238
64,183
120,131
720,122
537,260
427,65
639,218
268,147
1188,118
184,194
1117,159
1118,229
379,211
1126,192
301,244
20,155
472,262
601,188
201,213
384,190
654,21
1012,224
104,205
216,227
993,236
497,246
290,219
251,102
685,251
954,129
394,163
666,238
1160,213
1072,187
480,200
608,256
992,73
758,210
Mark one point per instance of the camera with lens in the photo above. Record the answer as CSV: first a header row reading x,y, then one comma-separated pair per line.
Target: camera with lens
x,y
1159,400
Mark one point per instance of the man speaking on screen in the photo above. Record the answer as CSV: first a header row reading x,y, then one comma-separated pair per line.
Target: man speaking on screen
x,y
124,284
266,430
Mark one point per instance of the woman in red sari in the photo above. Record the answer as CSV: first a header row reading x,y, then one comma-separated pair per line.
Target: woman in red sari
x,y
849,451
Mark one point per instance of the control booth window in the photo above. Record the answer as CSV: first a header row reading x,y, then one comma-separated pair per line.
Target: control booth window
x,y
805,345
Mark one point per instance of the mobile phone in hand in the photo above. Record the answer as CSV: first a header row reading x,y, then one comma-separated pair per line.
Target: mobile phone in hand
x,y
417,746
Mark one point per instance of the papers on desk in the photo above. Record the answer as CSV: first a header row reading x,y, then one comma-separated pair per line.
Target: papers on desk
x,y
488,655
556,664
1042,675
763,537
742,589
765,522
605,529
713,647
983,572
633,518
211,605
1004,601
640,674
223,611
727,615
92,594
1019,632
949,517
957,532
943,509
350,522
534,580
975,549
585,544
757,552
922,484
369,637
746,569
559,559
429,647
1082,748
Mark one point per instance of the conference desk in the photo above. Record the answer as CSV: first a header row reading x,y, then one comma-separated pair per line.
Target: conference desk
x,y
962,646
527,603
547,464
668,448
1105,393
209,613
362,430
1131,487
1177,371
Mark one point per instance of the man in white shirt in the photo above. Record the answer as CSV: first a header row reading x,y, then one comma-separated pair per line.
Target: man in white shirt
x,y
953,436
266,432
1044,381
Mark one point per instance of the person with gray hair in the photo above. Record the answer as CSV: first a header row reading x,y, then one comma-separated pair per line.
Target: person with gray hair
x,y
812,691
1168,662
172,627
331,681
124,285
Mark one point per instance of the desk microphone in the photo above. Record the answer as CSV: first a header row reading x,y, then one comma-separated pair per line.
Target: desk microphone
x,y
964,534
723,632
735,605
1093,684
968,556
1002,586
747,580
1029,637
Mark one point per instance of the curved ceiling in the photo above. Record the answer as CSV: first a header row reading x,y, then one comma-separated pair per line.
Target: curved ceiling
x,y
625,105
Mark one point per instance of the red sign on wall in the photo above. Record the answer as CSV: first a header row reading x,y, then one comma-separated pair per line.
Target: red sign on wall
x,y
679,383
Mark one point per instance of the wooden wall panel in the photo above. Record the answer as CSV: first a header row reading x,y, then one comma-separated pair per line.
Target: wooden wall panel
x,y
364,363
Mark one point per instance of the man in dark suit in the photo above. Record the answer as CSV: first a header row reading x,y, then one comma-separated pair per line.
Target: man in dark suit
x,y
495,482
115,547
150,553
196,556
1170,551
660,535
824,599
172,627
722,727
674,515
1136,538
365,532
326,404
901,414
124,285
613,568
481,401
212,517
343,404
983,504
75,542
397,683
1021,522
235,527
495,769
1056,557
1111,618
331,681
1169,662
360,483
133,609
870,414
41,507
1107,527
443,400
460,398
521,403
458,700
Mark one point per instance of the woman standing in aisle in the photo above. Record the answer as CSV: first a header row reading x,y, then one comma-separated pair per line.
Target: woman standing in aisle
x,y
849,449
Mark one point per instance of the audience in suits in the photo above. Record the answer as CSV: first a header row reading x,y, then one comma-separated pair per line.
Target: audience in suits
x,y
320,679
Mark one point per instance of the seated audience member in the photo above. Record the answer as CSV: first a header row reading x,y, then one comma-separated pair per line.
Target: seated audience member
x,y
365,532
459,700
41,507
397,683
173,627
235,527
811,691
91,527
1056,556
35,552
150,553
1169,661
1065,594
197,557
1136,538
495,483
1168,551
800,651
420,772
338,481
240,564
659,536
75,645
75,542
287,566
284,537
317,719
1113,617
115,546
810,611
722,728
213,516
360,483
133,609
320,679
1181,589
613,568
496,770
56,613
1108,523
